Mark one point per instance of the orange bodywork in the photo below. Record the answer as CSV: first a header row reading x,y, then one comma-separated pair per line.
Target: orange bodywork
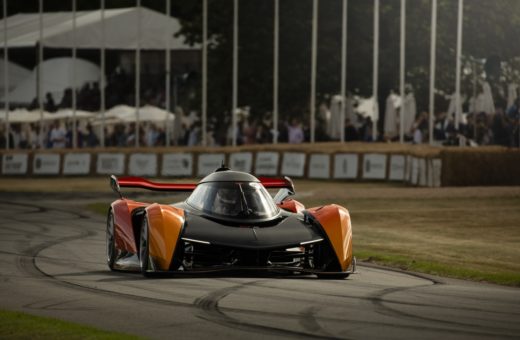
x,y
291,205
335,221
165,225
124,236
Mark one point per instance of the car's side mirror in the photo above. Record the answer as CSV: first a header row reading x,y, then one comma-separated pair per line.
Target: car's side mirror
x,y
114,184
282,194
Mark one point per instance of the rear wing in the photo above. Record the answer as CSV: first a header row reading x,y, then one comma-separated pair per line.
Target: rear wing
x,y
277,183
141,183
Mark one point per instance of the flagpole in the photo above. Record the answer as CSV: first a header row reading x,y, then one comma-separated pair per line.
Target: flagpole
x,y
343,67
275,69
102,75
458,65
204,71
39,71
235,71
313,68
375,69
433,41
167,62
138,74
6,79
74,103
402,70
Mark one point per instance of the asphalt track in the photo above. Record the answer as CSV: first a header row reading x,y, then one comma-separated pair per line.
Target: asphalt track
x,y
52,263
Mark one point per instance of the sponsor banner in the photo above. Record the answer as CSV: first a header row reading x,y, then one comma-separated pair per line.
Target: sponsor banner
x,y
177,164
414,171
209,162
374,166
422,172
46,164
397,168
293,164
14,164
319,166
143,164
241,161
346,166
435,171
267,163
110,164
76,164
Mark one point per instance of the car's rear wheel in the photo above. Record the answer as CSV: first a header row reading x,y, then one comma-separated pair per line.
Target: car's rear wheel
x,y
111,241
144,248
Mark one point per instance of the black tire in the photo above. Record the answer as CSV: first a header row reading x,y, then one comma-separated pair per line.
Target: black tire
x,y
111,241
332,276
338,276
144,248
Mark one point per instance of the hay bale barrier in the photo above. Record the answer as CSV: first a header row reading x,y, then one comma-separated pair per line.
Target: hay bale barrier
x,y
482,166
418,165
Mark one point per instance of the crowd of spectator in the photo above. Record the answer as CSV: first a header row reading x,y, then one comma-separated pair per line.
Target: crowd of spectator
x,y
500,127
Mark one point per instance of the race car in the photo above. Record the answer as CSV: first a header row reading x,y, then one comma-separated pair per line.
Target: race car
x,y
228,222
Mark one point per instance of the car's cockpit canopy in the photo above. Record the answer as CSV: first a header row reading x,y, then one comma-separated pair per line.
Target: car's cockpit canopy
x,y
233,200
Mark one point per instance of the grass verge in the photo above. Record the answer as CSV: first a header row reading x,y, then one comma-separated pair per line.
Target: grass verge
x,y
16,325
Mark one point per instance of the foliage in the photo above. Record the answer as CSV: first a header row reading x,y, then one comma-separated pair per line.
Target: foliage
x,y
491,29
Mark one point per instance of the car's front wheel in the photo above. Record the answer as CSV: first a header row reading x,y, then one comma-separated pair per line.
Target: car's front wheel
x,y
111,241
338,276
332,276
144,248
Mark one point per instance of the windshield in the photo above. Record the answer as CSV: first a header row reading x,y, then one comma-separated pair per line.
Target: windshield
x,y
233,199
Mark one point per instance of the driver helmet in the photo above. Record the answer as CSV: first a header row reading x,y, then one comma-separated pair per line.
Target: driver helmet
x,y
226,201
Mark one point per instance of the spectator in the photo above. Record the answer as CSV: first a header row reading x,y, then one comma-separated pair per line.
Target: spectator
x,y
295,131
91,140
152,135
66,100
365,131
194,135
351,134
49,106
57,136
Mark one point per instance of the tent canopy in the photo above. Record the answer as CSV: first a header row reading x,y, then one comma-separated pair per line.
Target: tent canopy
x,y
147,113
57,75
16,75
120,30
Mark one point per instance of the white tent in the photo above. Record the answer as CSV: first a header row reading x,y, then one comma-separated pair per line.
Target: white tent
x,y
119,111
120,30
24,116
16,75
57,74
69,113
147,113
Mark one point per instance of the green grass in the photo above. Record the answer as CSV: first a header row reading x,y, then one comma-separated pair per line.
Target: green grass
x,y
438,268
16,325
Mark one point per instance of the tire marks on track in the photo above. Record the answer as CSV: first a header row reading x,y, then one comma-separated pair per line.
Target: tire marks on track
x,y
209,306
207,303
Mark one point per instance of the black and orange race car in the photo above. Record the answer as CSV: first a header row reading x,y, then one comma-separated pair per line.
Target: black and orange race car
x,y
228,222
